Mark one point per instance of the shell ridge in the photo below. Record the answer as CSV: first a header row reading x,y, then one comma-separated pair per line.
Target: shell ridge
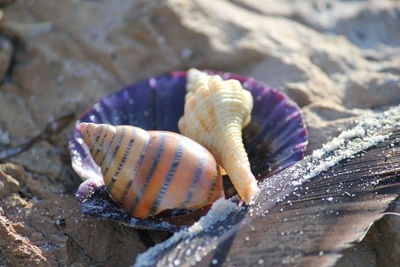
x,y
98,133
298,151
122,162
108,153
108,178
196,179
100,152
171,173
232,104
268,124
137,168
214,184
285,130
146,184
289,138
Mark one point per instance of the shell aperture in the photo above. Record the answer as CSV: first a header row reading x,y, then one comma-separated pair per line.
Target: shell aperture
x,y
215,113
147,172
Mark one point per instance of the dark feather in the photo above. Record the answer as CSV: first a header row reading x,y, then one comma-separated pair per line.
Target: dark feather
x,y
296,223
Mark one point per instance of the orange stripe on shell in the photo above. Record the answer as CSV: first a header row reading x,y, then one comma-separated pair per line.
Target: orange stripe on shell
x,y
148,172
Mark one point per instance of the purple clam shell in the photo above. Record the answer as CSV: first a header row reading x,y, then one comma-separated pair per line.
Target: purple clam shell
x,y
275,138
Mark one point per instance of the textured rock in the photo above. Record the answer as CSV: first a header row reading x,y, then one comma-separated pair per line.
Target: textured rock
x,y
336,59
297,77
126,41
8,184
47,227
6,50
371,90
373,27
17,249
336,56
15,116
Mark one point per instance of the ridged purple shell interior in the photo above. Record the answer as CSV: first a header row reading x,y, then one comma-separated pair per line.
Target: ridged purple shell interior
x,y
275,138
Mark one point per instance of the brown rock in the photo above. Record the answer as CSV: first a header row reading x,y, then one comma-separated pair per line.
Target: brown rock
x,y
8,184
328,111
5,2
323,15
52,226
16,249
300,79
391,66
4,138
144,38
371,90
15,116
6,50
372,27
20,127
43,159
336,55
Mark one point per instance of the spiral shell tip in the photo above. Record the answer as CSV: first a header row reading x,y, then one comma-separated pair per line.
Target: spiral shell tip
x,y
82,126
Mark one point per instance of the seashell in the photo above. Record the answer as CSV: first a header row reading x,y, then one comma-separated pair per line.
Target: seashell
x,y
215,113
274,139
147,172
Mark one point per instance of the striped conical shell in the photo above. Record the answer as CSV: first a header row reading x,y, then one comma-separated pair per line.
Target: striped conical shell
x,y
215,113
147,172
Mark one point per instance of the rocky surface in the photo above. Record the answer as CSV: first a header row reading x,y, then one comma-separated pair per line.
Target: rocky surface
x,y
336,59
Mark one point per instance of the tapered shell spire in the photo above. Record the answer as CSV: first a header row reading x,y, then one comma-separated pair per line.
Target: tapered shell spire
x,y
215,113
147,172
